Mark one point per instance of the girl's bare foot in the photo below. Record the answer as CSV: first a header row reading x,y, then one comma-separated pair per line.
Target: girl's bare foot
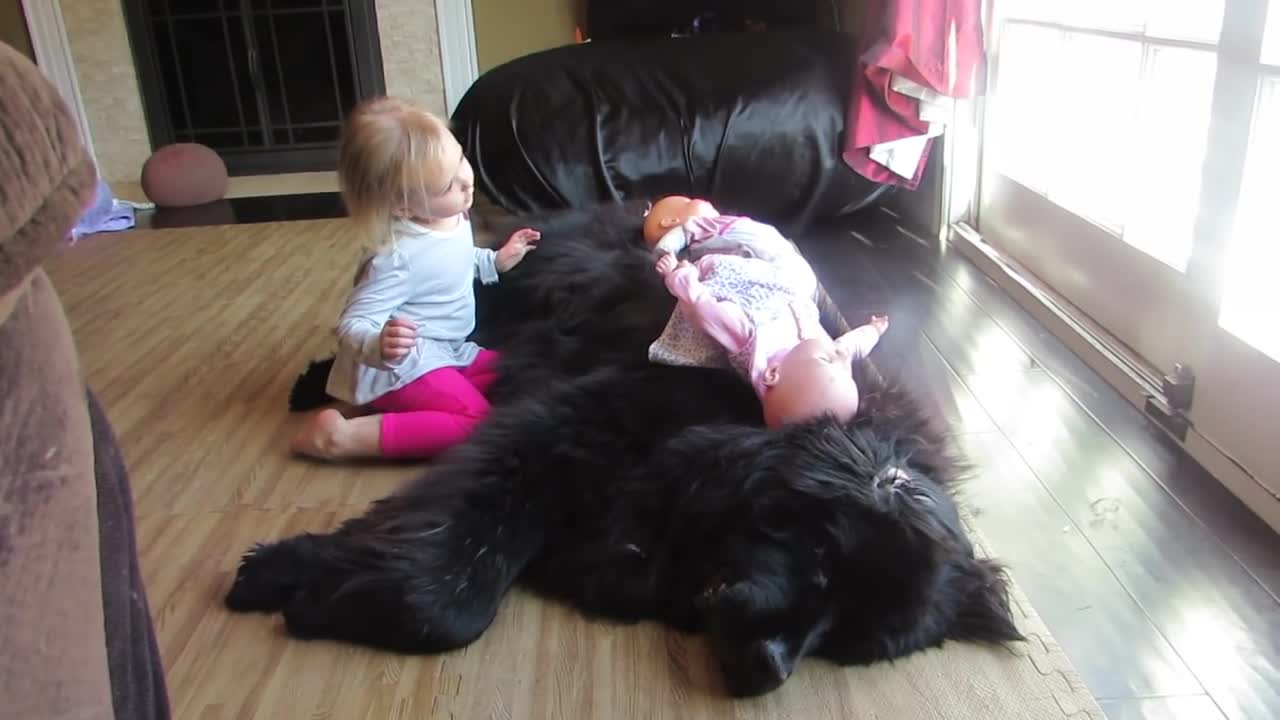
x,y
330,436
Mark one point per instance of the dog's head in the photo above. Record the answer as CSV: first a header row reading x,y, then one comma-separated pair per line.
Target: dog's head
x,y
850,547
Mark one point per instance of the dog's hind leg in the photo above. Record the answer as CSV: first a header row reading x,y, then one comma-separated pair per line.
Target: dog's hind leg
x,y
271,573
421,587
394,616
436,599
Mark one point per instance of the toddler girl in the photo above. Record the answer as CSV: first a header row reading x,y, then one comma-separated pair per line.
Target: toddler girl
x,y
402,337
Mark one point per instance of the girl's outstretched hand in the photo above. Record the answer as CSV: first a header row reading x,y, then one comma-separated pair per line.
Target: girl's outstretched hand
x,y
517,246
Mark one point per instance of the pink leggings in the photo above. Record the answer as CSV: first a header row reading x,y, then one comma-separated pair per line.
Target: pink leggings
x,y
436,411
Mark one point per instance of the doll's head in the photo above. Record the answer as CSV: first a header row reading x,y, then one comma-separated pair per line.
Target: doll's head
x,y
670,211
815,377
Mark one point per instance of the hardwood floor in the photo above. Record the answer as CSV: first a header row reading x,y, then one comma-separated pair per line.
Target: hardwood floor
x,y
1159,585
192,338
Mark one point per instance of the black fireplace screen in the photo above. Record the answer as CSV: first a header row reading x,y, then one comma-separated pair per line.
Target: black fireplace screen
x,y
612,19
265,83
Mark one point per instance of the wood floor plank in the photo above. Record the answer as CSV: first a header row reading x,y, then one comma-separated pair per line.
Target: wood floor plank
x,y
925,300
1217,617
859,290
1113,644
180,355
1244,534
942,392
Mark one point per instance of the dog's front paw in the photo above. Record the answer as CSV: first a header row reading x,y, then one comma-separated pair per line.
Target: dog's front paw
x,y
260,587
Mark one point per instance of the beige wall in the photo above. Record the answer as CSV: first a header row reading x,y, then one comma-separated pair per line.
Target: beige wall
x,y
411,51
506,30
113,101
108,86
13,27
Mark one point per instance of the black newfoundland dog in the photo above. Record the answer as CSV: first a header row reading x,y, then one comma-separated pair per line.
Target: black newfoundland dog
x,y
636,491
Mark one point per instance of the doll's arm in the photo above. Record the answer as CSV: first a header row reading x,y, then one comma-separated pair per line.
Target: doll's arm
x,y
860,341
671,242
724,321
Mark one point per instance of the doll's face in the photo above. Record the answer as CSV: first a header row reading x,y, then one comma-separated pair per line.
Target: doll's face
x,y
671,211
815,377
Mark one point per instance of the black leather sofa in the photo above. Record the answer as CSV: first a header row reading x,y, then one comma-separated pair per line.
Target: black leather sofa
x,y
752,121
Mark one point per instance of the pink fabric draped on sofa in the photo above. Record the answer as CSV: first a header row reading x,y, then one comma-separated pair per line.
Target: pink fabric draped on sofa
x,y
932,45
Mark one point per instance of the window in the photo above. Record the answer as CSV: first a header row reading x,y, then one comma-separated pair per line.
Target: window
x,y
1191,20
1251,295
1102,112
1170,140
1271,35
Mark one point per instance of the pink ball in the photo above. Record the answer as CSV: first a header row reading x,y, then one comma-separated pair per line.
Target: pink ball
x,y
184,174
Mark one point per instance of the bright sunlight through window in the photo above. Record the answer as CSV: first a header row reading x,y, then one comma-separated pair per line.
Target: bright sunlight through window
x,y
1251,294
1196,20
1117,135
1271,35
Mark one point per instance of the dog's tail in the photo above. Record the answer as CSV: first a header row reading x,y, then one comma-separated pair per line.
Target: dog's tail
x,y
308,392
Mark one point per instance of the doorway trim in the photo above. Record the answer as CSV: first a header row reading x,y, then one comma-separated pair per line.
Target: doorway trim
x,y
457,31
53,56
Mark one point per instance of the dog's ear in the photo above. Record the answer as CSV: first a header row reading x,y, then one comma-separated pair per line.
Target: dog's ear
x,y
983,613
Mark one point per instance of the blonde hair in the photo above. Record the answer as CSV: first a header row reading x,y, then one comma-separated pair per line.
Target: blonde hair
x,y
388,150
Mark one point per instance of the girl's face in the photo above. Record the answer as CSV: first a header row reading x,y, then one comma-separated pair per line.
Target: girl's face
x,y
450,189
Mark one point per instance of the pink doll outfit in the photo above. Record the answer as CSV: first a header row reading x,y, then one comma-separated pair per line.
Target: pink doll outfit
x,y
755,310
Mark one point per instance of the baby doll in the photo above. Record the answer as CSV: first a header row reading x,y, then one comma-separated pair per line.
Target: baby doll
x,y
764,315
676,223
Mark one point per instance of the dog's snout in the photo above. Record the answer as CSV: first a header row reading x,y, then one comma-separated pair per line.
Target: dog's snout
x,y
764,668
892,477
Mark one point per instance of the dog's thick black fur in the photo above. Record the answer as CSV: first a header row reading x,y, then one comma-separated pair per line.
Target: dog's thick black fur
x,y
636,491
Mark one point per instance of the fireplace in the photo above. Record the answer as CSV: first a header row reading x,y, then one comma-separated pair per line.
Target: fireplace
x,y
611,19
265,83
